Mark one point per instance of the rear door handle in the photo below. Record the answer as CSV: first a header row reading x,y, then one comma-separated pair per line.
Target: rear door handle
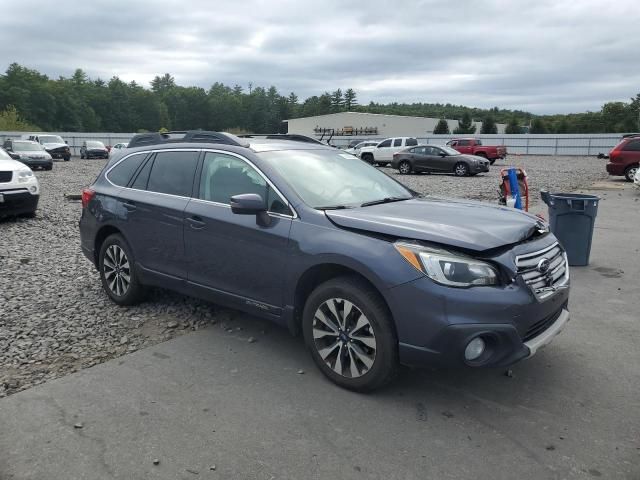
x,y
196,222
129,206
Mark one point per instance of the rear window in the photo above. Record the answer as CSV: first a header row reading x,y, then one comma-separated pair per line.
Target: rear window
x,y
633,145
121,174
172,173
478,142
411,142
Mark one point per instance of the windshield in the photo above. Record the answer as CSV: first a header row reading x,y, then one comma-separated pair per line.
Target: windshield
x,y
449,150
95,145
26,146
325,179
50,139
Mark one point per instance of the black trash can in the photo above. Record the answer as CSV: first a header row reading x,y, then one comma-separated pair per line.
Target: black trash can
x,y
572,218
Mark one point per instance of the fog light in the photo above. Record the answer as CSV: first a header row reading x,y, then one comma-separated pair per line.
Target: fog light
x,y
33,189
474,349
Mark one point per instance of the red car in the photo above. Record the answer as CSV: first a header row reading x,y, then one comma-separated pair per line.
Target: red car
x,y
473,146
625,157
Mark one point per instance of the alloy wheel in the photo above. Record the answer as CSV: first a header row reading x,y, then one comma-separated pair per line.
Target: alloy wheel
x,y
631,173
116,269
344,338
461,169
405,167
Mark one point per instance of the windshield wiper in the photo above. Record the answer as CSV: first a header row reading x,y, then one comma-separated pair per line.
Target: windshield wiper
x,y
334,207
385,200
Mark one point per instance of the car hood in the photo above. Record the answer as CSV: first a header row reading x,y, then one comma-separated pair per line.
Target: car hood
x,y
463,224
12,165
53,146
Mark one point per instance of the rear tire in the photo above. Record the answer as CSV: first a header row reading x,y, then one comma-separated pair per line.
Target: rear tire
x,y
117,271
461,169
405,167
630,172
349,331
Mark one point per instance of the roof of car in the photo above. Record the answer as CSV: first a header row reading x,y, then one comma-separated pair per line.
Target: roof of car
x,y
256,145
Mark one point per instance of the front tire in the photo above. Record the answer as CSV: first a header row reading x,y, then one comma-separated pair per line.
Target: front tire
x,y
404,167
349,331
461,169
492,161
368,157
117,271
630,172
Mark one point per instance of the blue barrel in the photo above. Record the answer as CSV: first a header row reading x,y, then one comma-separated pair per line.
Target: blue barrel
x,y
572,218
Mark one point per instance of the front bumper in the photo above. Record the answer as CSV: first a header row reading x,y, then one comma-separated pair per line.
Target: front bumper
x,y
59,154
96,155
31,163
17,202
480,168
435,323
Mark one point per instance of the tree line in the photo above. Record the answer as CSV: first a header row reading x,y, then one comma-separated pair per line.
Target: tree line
x,y
30,100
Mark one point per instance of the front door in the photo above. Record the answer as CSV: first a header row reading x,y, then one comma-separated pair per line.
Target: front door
x,y
234,255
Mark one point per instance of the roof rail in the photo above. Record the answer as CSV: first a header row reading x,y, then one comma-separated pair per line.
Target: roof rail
x,y
185,136
631,135
283,136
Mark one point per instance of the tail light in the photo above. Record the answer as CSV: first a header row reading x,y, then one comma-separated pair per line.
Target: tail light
x,y
87,195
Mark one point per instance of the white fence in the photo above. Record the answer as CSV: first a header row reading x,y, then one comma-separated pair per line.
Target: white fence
x,y
525,144
548,144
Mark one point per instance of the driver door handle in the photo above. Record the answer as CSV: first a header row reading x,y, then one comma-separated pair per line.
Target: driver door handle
x,y
130,207
196,222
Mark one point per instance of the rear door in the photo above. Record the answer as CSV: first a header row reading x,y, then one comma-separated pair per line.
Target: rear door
x,y
233,256
632,152
154,204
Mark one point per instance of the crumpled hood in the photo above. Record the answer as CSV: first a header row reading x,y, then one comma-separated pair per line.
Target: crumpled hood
x,y
53,146
458,223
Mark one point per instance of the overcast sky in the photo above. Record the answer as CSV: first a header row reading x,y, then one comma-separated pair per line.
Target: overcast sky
x,y
543,56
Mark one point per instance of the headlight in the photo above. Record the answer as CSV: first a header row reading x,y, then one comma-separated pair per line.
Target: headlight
x,y
446,268
24,176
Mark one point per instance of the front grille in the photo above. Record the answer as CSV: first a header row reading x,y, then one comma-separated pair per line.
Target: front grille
x,y
541,325
5,177
545,270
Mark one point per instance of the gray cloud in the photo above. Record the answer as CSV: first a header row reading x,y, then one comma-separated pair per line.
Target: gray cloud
x,y
544,56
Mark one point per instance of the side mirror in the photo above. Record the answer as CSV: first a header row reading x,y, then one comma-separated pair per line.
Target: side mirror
x,y
248,204
442,154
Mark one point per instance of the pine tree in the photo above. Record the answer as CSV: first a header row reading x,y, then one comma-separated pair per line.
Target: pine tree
x,y
350,100
489,125
538,126
465,125
513,126
337,101
442,128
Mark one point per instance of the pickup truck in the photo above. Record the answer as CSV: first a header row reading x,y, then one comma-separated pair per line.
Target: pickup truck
x,y
473,146
382,153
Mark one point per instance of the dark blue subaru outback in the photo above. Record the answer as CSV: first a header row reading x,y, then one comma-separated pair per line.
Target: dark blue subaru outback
x,y
314,239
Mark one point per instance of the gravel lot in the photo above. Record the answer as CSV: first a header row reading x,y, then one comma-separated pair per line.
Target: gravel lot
x,y
55,319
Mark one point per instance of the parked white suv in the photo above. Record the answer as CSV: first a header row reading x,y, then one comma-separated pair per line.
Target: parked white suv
x,y
19,189
356,149
382,154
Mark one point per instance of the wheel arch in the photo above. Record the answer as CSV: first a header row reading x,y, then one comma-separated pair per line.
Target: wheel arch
x,y
102,234
318,274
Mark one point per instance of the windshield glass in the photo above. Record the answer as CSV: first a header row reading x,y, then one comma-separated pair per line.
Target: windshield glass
x,y
449,150
50,139
26,146
95,145
325,178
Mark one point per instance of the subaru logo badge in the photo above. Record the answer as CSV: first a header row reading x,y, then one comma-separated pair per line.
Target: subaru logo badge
x,y
543,265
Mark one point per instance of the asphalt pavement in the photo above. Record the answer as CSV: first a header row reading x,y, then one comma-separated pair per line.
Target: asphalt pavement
x,y
212,404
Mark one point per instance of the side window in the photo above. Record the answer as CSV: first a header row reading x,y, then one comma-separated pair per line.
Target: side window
x,y
224,176
121,174
428,150
386,143
411,142
142,178
463,143
172,173
478,142
633,145
397,142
